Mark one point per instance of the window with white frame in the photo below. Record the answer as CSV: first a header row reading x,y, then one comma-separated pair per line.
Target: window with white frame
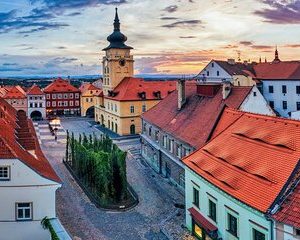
x,y
65,96
71,103
131,109
59,96
76,95
54,96
60,103
71,95
76,103
53,104
23,211
48,96
48,104
4,173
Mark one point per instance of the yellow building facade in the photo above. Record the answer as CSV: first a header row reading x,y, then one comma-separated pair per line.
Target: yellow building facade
x,y
88,99
124,97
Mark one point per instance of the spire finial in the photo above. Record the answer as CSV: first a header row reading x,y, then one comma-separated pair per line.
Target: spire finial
x,y
276,59
116,21
259,59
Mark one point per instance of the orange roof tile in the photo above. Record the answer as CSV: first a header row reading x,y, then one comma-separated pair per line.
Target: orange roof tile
x,y
34,90
60,85
289,212
88,87
14,92
195,121
251,159
129,89
289,70
10,144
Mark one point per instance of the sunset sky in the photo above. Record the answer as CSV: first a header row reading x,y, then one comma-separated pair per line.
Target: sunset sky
x,y
65,37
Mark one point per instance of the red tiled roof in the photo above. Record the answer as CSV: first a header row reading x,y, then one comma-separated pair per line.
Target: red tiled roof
x,y
129,89
236,68
289,212
278,70
195,121
35,90
61,86
252,159
13,92
10,145
88,87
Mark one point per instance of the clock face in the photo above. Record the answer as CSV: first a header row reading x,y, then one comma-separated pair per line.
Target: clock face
x,y
122,62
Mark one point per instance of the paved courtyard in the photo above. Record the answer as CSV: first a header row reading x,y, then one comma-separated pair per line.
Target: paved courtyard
x,y
155,217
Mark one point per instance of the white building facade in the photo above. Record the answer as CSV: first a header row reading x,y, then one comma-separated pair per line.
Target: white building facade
x,y
283,96
36,103
29,198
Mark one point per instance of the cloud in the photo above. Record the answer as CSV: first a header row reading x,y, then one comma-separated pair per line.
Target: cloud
x,y
187,37
246,43
34,22
171,8
60,6
293,45
168,18
64,60
74,14
9,64
281,11
43,17
186,23
263,47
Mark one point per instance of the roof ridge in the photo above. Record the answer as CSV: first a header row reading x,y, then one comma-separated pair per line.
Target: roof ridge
x,y
260,115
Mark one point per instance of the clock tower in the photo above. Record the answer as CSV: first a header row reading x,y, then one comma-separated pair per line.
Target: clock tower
x,y
117,62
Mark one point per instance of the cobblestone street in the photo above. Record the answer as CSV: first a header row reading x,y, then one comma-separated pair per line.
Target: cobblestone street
x,y
153,218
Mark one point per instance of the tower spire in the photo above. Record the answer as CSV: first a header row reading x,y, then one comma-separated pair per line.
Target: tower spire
x,y
276,59
117,21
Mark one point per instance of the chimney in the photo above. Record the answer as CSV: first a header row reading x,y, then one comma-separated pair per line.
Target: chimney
x,y
181,93
231,61
226,89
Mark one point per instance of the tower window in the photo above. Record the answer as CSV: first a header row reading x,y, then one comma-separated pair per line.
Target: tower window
x,y
132,109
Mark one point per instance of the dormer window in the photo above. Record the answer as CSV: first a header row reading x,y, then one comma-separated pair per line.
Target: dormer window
x,y
4,173
142,95
157,94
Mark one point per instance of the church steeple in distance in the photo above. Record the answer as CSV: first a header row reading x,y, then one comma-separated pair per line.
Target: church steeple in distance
x,y
117,39
276,59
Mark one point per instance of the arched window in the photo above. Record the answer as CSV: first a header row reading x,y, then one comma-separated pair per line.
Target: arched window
x,y
108,123
116,127
132,129
102,119
144,108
